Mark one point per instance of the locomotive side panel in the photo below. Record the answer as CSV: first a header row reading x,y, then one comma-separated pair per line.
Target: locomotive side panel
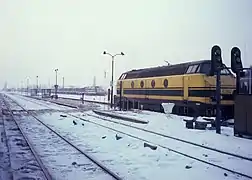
x,y
187,89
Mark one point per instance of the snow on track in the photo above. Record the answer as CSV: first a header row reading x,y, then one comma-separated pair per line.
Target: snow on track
x,y
62,160
5,172
135,161
22,163
128,155
28,105
174,126
223,160
86,97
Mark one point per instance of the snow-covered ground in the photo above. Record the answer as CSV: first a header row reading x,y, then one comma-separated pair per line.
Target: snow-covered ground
x,y
23,163
71,102
61,160
132,160
86,97
128,156
207,155
16,159
174,126
73,96
5,165
78,103
28,105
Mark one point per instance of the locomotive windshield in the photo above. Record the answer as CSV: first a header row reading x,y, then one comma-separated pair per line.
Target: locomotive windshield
x,y
206,67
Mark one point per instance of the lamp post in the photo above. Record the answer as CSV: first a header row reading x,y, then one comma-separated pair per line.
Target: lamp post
x,y
37,84
112,72
56,84
27,86
21,87
63,82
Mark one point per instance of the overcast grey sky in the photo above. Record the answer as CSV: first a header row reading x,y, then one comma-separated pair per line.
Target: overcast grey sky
x,y
37,36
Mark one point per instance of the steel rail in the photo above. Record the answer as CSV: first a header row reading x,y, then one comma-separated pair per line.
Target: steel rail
x,y
43,168
103,167
165,147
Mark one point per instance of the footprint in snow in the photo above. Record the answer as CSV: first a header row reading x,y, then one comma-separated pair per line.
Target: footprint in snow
x,y
188,167
118,137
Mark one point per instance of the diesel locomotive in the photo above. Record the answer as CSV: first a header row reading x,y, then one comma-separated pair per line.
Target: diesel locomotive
x,y
190,86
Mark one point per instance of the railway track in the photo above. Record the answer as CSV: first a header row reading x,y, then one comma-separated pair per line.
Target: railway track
x,y
190,147
89,101
17,134
93,162
163,135
5,159
171,137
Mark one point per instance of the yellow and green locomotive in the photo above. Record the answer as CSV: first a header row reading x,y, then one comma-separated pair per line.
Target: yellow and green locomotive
x,y
190,86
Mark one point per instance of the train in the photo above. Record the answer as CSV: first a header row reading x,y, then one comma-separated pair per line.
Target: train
x,y
93,90
190,86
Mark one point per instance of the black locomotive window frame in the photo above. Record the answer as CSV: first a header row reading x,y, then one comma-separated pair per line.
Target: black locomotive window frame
x,y
192,69
189,69
124,76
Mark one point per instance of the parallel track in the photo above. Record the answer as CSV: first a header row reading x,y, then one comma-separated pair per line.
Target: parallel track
x,y
89,101
103,167
156,133
43,168
174,138
165,147
7,145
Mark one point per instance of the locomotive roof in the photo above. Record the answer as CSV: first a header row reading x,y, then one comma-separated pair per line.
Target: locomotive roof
x,y
175,69
185,65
